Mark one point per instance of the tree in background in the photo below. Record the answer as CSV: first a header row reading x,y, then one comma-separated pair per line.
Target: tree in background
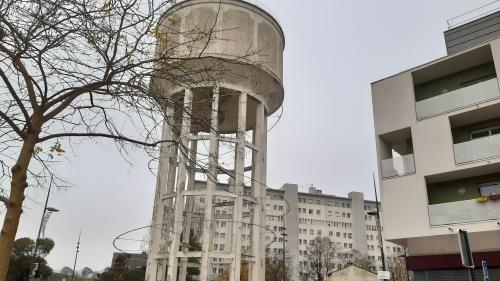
x,y
397,267
304,271
74,70
243,274
119,271
321,257
362,261
21,258
274,266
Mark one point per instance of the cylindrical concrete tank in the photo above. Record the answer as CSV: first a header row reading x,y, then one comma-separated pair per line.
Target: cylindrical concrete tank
x,y
227,60
233,43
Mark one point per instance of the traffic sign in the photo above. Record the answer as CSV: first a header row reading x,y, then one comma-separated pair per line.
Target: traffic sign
x,y
486,275
383,275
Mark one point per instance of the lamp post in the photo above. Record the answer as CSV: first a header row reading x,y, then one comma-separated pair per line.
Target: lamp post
x,y
47,211
379,229
76,255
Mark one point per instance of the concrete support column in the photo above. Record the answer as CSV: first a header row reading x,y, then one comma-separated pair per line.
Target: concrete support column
x,y
239,170
167,149
211,185
257,269
186,234
180,186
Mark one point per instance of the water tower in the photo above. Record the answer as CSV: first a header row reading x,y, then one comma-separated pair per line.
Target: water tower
x,y
233,51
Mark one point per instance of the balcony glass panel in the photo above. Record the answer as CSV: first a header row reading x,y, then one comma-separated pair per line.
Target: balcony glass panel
x,y
477,149
460,98
398,166
463,212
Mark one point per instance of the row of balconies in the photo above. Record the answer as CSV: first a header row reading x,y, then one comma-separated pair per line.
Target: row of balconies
x,y
401,160
465,152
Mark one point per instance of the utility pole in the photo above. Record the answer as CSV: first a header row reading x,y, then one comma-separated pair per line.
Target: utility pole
x,y
379,228
76,255
34,270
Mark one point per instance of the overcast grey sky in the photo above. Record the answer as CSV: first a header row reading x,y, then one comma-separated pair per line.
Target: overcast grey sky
x,y
334,49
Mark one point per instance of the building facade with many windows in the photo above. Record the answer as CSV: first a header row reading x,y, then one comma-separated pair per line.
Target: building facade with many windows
x,y
304,216
438,146
300,217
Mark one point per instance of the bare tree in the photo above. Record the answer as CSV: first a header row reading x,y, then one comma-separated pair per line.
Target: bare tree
x,y
276,267
304,271
362,261
321,257
397,267
82,69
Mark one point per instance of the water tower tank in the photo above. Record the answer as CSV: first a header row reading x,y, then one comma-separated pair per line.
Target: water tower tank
x,y
227,60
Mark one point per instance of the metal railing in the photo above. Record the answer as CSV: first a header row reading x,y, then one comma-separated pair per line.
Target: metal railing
x,y
398,166
457,99
477,13
477,149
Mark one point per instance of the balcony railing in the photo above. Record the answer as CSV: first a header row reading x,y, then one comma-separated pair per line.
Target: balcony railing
x,y
457,99
463,212
478,149
398,166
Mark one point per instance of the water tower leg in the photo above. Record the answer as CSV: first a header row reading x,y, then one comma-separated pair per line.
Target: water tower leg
x,y
180,186
157,231
211,184
239,170
189,209
259,192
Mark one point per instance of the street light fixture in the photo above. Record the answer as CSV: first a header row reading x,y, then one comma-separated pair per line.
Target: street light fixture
x,y
47,211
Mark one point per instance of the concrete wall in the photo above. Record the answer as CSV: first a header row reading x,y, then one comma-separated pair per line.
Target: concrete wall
x,y
292,228
358,222
352,273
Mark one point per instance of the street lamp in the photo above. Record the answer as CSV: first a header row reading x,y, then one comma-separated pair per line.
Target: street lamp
x,y
376,213
47,211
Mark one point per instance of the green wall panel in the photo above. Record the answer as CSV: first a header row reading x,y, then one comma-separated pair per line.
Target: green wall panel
x,y
452,82
462,134
457,190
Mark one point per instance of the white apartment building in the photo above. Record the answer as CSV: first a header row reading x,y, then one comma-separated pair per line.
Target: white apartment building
x,y
342,219
437,128
303,217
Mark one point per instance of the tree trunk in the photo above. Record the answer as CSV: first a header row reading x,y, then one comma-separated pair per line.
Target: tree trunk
x,y
15,203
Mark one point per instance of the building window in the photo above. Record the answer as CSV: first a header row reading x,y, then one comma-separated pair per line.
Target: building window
x,y
311,211
489,188
319,232
311,231
318,212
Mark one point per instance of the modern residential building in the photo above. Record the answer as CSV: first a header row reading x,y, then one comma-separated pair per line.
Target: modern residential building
x,y
304,216
438,144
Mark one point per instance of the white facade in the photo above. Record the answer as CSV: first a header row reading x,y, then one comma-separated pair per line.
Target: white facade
x,y
313,214
437,146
